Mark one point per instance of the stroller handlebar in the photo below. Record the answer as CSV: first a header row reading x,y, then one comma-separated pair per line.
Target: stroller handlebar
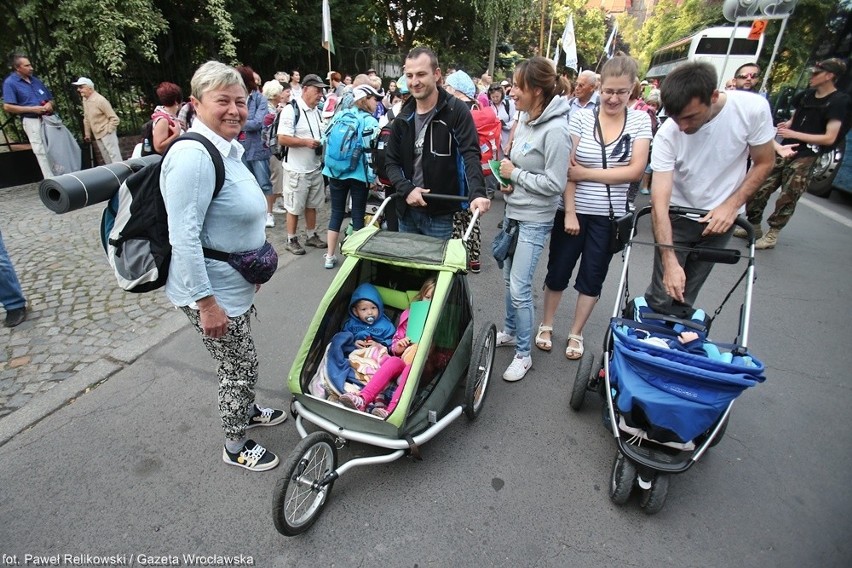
x,y
740,221
430,197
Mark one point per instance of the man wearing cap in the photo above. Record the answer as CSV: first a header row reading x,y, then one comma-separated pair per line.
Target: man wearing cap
x,y
99,120
304,187
25,95
433,148
815,127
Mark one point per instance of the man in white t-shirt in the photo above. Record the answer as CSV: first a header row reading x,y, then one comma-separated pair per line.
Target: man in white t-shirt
x,y
304,187
699,161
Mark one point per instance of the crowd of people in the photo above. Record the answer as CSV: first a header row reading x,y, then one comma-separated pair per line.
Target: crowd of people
x,y
570,160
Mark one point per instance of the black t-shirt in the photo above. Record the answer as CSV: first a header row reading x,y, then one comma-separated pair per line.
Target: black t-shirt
x,y
812,117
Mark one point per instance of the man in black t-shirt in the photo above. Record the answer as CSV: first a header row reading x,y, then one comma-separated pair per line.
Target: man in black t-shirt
x,y
816,126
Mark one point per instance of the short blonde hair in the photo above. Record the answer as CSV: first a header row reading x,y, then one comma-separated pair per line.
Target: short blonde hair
x,y
212,75
376,82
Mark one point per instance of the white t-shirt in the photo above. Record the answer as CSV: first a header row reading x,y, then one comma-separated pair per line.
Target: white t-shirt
x,y
301,159
710,165
591,196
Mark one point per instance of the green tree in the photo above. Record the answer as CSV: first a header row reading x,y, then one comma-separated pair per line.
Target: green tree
x,y
497,15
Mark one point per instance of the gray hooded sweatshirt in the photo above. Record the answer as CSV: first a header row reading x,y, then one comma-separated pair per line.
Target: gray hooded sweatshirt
x,y
540,153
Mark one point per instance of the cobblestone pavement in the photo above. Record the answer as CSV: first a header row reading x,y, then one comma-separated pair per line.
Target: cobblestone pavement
x,y
77,313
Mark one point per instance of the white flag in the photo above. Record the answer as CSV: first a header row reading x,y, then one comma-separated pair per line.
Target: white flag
x,y
556,57
609,48
327,41
569,44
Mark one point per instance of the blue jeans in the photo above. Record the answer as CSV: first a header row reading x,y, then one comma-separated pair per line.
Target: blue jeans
x,y
417,220
11,295
260,170
339,189
518,274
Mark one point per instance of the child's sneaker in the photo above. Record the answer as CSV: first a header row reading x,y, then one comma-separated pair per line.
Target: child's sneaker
x,y
252,456
504,339
380,412
265,417
352,400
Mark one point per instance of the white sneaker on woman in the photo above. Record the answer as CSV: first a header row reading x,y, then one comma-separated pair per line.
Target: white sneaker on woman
x,y
518,368
505,340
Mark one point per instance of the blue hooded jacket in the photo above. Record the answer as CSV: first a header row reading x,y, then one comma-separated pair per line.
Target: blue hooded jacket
x,y
381,330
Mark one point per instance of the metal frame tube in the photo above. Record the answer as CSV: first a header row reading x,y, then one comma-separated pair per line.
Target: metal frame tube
x,y
371,439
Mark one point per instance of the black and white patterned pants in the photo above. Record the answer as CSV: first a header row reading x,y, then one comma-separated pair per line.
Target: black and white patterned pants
x,y
237,370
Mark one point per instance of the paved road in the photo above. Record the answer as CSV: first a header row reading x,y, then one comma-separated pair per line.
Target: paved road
x,y
133,466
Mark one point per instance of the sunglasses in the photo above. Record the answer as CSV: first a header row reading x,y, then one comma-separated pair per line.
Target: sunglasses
x,y
748,76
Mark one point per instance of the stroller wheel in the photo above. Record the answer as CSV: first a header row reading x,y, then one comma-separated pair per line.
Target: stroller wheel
x,y
479,371
653,499
623,478
301,495
581,380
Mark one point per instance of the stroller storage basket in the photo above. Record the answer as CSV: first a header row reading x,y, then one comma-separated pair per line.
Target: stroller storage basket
x,y
674,395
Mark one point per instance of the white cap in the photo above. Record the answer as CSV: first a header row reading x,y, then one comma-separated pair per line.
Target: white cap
x,y
363,91
84,81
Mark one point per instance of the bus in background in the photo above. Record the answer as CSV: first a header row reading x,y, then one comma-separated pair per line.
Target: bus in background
x,y
709,45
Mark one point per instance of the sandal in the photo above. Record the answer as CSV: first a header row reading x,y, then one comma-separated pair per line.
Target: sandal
x,y
542,343
574,353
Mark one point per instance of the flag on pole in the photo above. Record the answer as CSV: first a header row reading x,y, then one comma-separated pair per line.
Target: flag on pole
x,y
569,44
609,48
327,41
556,57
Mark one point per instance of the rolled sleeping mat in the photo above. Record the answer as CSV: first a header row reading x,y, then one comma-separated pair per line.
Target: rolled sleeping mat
x,y
73,191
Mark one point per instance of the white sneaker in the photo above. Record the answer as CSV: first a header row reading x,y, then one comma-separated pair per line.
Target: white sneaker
x,y
518,368
504,339
270,220
330,261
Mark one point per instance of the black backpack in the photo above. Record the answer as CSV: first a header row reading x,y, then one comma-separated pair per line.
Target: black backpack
x,y
135,227
279,150
378,149
148,138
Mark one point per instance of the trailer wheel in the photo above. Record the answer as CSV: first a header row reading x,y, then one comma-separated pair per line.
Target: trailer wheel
x,y
653,499
310,471
623,478
479,371
581,380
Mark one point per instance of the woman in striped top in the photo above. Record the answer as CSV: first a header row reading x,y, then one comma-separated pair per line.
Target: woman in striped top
x,y
581,230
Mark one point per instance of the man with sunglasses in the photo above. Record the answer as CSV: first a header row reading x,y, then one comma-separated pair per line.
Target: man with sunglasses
x,y
816,126
746,77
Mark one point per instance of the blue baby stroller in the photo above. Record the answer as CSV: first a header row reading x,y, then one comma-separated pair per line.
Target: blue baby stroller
x,y
666,404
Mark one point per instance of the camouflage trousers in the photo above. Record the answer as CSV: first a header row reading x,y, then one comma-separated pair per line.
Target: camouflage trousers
x,y
237,371
793,176
461,220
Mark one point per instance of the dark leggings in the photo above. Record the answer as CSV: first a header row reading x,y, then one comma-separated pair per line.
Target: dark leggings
x,y
339,190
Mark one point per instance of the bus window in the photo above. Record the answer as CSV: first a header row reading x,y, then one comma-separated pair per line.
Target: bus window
x,y
719,46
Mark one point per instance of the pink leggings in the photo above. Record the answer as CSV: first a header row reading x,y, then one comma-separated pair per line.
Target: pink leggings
x,y
391,368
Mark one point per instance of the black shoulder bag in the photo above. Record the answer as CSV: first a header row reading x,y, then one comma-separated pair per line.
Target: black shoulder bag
x,y
620,228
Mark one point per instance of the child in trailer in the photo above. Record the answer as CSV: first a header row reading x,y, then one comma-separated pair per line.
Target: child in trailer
x,y
395,367
355,353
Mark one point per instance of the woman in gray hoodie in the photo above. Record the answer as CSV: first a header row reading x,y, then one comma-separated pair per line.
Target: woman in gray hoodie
x,y
538,170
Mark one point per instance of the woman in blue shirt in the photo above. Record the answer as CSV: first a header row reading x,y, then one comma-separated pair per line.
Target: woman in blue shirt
x,y
355,184
215,297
